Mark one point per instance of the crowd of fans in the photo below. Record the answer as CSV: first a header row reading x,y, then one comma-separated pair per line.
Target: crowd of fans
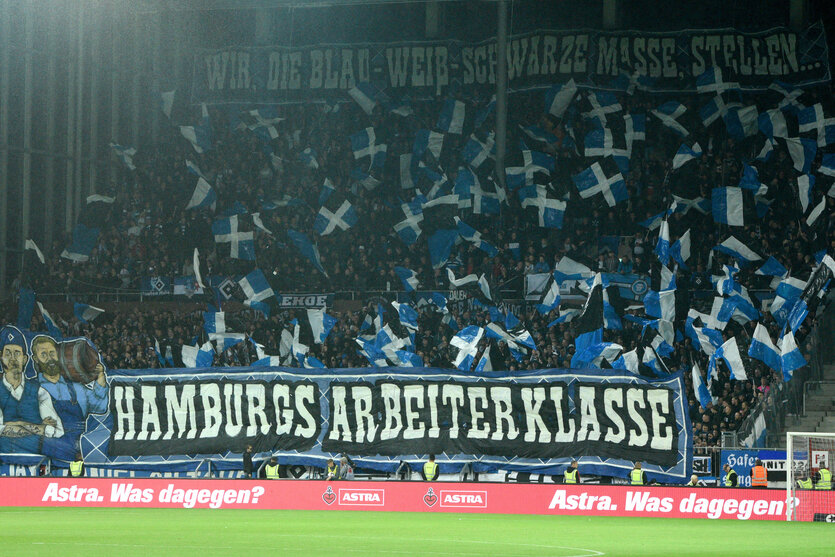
x,y
150,233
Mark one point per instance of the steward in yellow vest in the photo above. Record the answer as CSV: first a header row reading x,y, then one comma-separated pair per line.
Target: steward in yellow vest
x,y
824,478
271,469
637,476
430,470
571,474
77,466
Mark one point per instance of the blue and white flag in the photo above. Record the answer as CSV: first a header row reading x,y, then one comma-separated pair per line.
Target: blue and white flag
x,y
321,324
365,95
473,236
487,202
533,162
125,154
167,102
83,241
451,118
750,180
662,247
628,361
568,269
790,94
550,212
308,158
710,81
813,119
805,186
408,277
409,229
30,244
686,153
601,105
85,312
802,151
255,286
739,251
668,113
559,97
729,352
364,144
51,327
772,123
604,179
727,206
763,349
683,205
550,299
198,356
593,355
214,322
772,268
816,212
466,341
199,136
225,341
716,108
335,215
699,388
408,316
827,167
790,356
661,304
404,358
307,249
680,250
241,242
741,122
475,152
203,196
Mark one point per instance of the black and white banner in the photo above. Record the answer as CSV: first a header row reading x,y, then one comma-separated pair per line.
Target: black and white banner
x,y
531,421
670,61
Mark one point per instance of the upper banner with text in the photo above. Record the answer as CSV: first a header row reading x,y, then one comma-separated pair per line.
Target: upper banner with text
x,y
668,61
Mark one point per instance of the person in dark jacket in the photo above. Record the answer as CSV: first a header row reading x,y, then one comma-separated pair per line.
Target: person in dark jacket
x,y
248,461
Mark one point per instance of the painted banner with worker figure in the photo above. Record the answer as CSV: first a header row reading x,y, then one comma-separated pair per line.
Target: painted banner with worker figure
x,y
50,387
611,60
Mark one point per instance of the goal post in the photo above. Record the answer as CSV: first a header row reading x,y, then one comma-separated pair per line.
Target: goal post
x,y
809,461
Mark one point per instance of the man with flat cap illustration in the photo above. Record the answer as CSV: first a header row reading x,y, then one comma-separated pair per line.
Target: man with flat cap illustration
x,y
26,411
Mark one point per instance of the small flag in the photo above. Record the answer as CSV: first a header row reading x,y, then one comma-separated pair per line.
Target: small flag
x,y
86,313
604,179
255,286
559,97
685,154
727,206
451,118
738,251
30,244
408,277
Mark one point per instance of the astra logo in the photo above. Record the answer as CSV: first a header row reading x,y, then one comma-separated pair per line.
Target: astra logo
x,y
374,497
472,499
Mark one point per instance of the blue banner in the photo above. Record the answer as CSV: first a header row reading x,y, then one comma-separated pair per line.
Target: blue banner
x,y
534,421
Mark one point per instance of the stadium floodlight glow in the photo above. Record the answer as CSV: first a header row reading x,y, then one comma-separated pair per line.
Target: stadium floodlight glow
x,y
806,454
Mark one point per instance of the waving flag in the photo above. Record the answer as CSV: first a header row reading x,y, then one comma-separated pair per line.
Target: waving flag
x,y
685,154
600,105
365,95
550,212
559,97
203,196
85,312
125,154
738,251
307,249
772,268
741,122
473,236
813,119
662,247
408,277
451,118
729,352
589,324
802,151
680,250
214,322
235,231
364,144
790,356
532,164
467,343
668,113
772,123
336,212
31,245
199,136
716,108
603,178
699,388
661,304
710,81
763,349
83,241
194,356
727,206
255,286
407,315
476,153
321,324
51,327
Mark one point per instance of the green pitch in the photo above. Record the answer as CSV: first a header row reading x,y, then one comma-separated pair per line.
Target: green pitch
x,y
61,532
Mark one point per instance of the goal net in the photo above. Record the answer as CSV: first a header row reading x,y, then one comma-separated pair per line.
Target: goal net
x,y
810,458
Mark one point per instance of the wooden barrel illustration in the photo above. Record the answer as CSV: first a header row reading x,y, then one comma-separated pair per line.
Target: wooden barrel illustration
x,y
78,361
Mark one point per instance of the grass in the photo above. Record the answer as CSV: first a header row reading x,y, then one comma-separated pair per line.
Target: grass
x,y
162,532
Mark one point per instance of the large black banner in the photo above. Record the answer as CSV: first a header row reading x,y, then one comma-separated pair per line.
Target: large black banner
x,y
669,61
530,420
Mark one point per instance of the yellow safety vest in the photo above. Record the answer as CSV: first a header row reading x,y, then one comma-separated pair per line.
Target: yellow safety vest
x,y
805,484
728,478
430,470
333,471
272,472
571,476
75,468
826,479
637,476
